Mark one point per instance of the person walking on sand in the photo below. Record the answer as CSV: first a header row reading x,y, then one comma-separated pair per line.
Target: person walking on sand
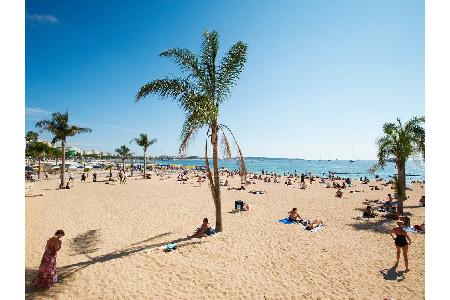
x,y
402,240
47,270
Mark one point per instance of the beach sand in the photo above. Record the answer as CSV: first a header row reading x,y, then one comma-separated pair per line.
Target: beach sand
x,y
108,227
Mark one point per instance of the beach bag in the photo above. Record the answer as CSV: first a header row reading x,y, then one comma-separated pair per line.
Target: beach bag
x,y
239,204
210,231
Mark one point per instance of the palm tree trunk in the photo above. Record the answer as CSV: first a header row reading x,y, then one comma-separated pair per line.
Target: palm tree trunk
x,y
145,163
39,166
401,182
131,167
123,165
63,161
216,195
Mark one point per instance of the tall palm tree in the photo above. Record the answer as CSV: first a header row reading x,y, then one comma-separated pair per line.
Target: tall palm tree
x,y
124,153
399,143
200,94
144,142
59,126
38,150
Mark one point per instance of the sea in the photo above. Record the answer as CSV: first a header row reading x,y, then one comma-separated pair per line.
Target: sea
x,y
415,169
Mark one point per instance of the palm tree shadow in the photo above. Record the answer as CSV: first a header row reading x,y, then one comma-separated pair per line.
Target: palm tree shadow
x,y
380,226
85,243
68,271
392,274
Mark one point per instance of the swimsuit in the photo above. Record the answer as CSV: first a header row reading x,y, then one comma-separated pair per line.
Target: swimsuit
x,y
401,241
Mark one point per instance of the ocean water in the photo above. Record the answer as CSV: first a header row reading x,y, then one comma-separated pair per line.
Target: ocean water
x,y
415,170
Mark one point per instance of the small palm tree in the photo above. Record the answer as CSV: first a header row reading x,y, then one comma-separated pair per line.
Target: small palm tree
x,y
206,86
144,142
59,126
124,153
38,150
401,142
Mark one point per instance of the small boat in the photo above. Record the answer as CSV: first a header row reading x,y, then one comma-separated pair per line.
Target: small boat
x,y
351,161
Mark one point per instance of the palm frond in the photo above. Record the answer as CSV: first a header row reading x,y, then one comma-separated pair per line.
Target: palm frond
x,y
242,164
165,88
186,60
209,49
187,136
225,146
231,67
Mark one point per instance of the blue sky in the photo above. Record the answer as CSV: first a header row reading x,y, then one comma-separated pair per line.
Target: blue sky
x,y
320,80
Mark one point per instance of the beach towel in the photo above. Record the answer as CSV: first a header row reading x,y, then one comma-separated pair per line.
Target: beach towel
x,y
411,229
318,228
286,221
170,247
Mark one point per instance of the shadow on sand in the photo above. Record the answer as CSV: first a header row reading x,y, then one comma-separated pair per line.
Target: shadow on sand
x,y
382,225
392,274
66,272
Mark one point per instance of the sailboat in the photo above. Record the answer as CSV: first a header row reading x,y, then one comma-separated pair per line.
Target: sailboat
x,y
353,155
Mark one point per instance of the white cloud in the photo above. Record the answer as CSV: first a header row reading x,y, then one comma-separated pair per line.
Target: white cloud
x,y
43,18
35,111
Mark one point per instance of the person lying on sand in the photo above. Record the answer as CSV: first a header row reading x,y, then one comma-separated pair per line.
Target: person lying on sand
x,y
313,224
294,216
256,192
203,230
420,228
339,193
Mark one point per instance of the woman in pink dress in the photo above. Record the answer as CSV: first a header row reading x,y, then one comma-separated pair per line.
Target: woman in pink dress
x,y
47,270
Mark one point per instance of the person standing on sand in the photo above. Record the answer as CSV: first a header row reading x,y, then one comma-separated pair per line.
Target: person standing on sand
x,y
402,240
47,270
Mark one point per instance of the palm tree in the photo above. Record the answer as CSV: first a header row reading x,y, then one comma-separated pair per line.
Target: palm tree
x,y
200,94
399,143
144,142
124,153
38,150
59,126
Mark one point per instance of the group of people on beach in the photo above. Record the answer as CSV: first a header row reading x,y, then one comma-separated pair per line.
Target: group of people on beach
x,y
47,270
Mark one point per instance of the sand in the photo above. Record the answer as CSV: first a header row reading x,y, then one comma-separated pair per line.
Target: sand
x,y
110,227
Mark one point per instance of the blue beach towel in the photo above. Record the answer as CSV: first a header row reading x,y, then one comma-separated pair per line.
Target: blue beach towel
x,y
286,221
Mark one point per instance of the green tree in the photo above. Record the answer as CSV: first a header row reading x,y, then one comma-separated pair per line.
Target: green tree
x,y
31,136
200,95
54,153
399,143
124,153
144,142
59,126
38,150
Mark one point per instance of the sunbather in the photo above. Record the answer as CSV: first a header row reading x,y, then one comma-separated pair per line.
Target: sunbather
x,y
339,193
294,216
202,231
313,224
